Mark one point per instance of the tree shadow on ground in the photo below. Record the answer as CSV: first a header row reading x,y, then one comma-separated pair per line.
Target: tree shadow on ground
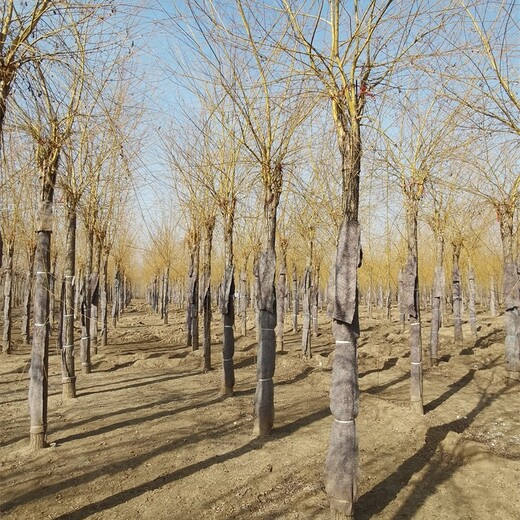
x,y
124,465
389,363
111,388
483,342
453,389
380,496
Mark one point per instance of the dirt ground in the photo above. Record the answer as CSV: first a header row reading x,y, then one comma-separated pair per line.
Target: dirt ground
x,y
149,438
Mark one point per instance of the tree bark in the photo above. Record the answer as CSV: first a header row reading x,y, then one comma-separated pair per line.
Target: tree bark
x,y
438,294
307,310
68,375
511,294
27,298
411,299
86,365
280,302
457,295
166,292
104,300
295,305
206,293
492,298
266,305
8,294
47,158
243,301
472,304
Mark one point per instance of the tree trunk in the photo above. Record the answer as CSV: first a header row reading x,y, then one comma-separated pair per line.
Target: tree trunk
x,y
411,300
61,312
166,292
116,297
47,158
307,310
52,294
39,371
295,302
315,294
27,303
492,298
104,300
206,293
243,301
457,296
68,375
194,300
280,303
472,305
511,300
8,293
266,305
86,365
94,300
438,295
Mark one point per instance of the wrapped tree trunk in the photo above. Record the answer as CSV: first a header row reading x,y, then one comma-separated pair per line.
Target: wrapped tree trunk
x,y
438,294
104,300
227,298
266,305
68,375
27,303
295,305
243,301
116,297
492,298
400,299
47,158
472,305
61,312
457,295
166,294
281,290
411,301
8,293
228,320
206,291
315,293
511,292
94,300
307,310
193,291
342,457
52,295
86,301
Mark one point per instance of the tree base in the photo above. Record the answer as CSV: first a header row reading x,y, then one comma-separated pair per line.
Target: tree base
x,y
37,441
417,407
226,391
86,369
69,390
339,515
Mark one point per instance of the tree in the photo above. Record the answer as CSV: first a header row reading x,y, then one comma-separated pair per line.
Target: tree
x,y
365,41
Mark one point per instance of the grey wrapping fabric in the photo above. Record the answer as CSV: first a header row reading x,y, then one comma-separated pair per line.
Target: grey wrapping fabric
x,y
341,467
511,286
438,283
344,273
227,288
94,287
265,295
409,281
